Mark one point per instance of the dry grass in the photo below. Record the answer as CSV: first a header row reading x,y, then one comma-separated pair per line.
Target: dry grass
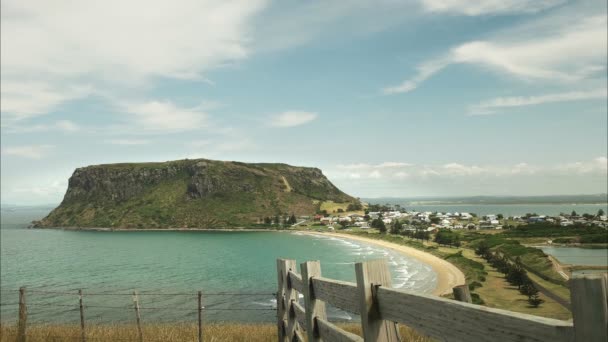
x,y
169,332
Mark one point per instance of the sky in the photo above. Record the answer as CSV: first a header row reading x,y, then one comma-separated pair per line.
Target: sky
x,y
388,98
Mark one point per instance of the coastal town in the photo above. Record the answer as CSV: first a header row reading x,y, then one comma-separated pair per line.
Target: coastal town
x,y
402,220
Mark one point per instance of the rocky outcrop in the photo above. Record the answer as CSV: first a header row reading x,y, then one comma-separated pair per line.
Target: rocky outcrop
x,y
189,193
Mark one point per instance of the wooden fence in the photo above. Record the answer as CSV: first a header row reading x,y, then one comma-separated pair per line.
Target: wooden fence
x,y
78,304
382,307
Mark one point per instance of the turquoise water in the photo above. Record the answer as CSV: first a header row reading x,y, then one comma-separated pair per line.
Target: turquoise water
x,y
578,256
179,263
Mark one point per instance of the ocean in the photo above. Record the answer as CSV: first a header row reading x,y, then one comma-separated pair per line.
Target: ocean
x,y
236,271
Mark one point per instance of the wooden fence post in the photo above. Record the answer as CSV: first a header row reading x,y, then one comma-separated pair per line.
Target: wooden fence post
x,y
137,316
462,293
589,307
314,308
82,331
200,316
370,275
284,296
22,316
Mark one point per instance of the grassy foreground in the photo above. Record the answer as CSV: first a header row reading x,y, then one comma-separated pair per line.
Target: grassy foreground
x,y
169,332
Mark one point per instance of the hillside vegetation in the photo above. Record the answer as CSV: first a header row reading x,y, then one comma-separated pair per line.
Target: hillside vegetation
x,y
189,194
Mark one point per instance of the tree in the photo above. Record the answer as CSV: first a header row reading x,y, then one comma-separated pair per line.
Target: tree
x,y
482,249
396,227
600,213
277,220
528,289
292,219
535,300
379,224
500,216
343,224
340,210
435,219
573,213
267,220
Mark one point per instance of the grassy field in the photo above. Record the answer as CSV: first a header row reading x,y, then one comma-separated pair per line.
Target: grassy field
x,y
171,333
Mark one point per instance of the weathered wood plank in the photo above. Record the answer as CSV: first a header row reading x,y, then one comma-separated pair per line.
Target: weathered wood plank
x,y
299,337
22,323
295,281
285,294
370,276
330,332
340,294
449,320
291,296
299,313
589,307
314,307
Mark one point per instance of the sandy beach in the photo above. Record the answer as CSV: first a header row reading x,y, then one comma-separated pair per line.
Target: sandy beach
x,y
448,275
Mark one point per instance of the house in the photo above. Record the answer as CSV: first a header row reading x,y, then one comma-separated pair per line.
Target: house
x,y
494,222
566,223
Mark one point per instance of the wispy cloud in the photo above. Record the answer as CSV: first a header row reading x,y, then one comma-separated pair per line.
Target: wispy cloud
x,y
562,53
61,126
108,51
292,118
127,142
27,151
452,170
165,116
488,7
491,106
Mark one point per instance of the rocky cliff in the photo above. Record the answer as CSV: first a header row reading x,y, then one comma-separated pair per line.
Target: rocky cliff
x,y
189,194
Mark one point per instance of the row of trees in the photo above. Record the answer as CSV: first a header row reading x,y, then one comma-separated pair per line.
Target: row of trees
x,y
281,220
447,237
514,273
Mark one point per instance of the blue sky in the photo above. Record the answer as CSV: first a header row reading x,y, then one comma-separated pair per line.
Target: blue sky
x,y
388,98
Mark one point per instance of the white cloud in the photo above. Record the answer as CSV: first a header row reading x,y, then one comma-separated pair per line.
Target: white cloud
x,y
490,106
128,142
384,165
27,151
413,172
597,165
455,169
375,174
21,100
61,125
293,118
488,7
164,116
114,45
563,52
392,165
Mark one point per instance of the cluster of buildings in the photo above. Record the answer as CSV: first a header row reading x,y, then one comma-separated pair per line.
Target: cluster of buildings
x,y
463,220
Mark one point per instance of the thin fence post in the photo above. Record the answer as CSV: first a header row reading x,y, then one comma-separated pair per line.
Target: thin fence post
x,y
137,316
314,308
22,316
589,307
462,294
82,331
200,316
370,275
284,297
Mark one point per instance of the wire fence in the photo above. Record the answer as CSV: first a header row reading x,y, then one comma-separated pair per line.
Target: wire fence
x,y
33,307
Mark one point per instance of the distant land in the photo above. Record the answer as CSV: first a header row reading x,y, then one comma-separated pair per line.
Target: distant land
x,y
197,193
495,200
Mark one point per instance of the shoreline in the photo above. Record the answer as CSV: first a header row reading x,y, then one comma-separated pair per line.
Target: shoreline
x,y
448,275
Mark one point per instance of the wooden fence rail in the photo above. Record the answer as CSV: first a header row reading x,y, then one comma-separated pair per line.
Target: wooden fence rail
x,y
382,307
